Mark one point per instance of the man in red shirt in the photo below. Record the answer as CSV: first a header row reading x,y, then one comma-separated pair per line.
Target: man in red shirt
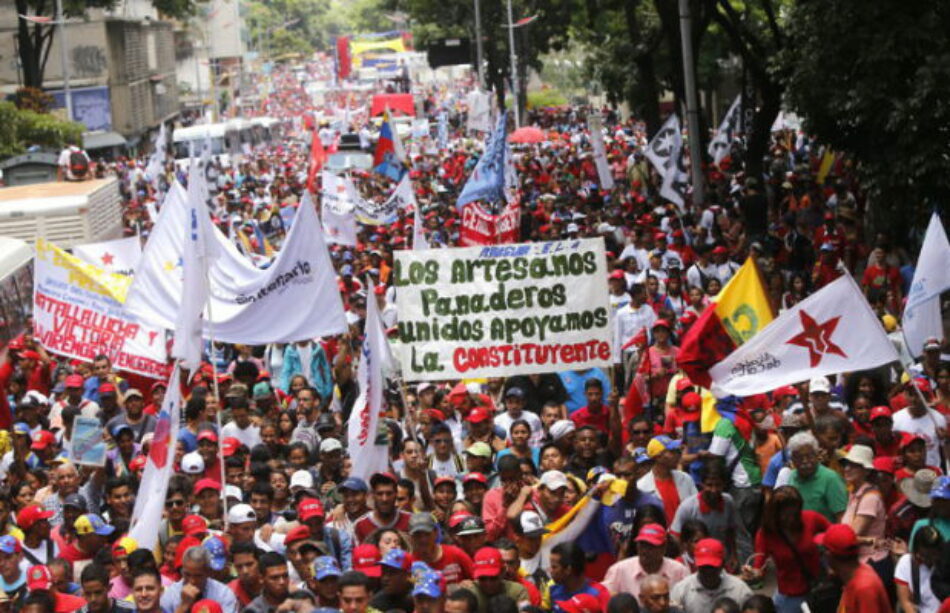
x,y
451,561
595,414
384,513
247,585
863,590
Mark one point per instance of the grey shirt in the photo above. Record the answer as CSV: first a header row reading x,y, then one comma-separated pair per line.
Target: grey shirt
x,y
694,598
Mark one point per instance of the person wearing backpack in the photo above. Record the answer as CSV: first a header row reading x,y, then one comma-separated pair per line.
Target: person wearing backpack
x,y
74,164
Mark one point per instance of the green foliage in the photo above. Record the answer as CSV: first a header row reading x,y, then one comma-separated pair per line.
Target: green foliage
x,y
22,129
546,97
278,27
872,79
32,99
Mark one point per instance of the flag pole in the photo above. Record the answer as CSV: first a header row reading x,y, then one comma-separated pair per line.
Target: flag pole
x,y
217,395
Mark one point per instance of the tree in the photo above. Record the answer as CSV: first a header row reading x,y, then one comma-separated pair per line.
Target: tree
x,y
35,39
277,27
872,79
20,129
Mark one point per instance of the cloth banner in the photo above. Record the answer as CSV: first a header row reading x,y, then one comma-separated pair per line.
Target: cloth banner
x,y
832,331
479,111
719,145
159,467
119,256
380,213
336,212
502,310
479,227
922,318
595,126
78,312
295,298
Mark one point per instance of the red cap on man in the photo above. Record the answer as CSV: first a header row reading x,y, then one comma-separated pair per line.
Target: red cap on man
x,y
709,552
488,562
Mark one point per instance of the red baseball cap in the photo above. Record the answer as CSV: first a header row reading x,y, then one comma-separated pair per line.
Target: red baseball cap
x,y
206,605
683,384
474,478
207,484
839,539
908,438
194,525
74,381
692,400
309,507
366,559
30,354
443,480
137,463
107,388
208,435
38,578
923,385
31,514
885,464
488,562
229,446
478,414
881,411
785,391
709,552
458,517
654,534
300,533
720,250
580,603
618,274
43,439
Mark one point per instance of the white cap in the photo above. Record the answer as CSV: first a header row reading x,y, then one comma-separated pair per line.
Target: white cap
x,y
36,397
301,478
572,227
819,384
531,524
192,463
241,514
553,480
233,491
329,445
562,428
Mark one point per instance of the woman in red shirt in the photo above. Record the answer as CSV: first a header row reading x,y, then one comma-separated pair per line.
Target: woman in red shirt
x,y
787,536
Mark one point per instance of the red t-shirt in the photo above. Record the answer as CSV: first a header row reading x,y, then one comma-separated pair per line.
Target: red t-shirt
x,y
367,524
454,564
864,593
583,417
240,593
791,580
666,488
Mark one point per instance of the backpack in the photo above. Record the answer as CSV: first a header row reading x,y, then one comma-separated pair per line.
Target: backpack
x,y
78,163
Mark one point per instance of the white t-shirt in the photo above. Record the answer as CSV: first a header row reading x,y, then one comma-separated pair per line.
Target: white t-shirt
x,y
250,436
40,553
902,574
504,420
926,426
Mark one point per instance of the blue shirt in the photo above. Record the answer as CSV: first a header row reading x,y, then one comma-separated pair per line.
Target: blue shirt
x,y
574,385
611,525
774,468
559,593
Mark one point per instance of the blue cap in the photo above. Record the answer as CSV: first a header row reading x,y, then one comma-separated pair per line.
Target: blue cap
x,y
347,256
218,551
92,523
419,569
9,544
941,488
326,566
429,584
354,484
516,392
346,270
640,455
396,558
119,428
21,428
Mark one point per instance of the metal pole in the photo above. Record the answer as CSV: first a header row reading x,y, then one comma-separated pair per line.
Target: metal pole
x,y
67,93
478,43
514,67
692,107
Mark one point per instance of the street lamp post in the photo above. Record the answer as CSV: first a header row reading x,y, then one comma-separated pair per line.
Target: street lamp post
x,y
692,105
514,66
478,43
67,92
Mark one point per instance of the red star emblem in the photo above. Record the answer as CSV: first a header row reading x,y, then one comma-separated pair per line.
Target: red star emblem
x,y
816,338
107,259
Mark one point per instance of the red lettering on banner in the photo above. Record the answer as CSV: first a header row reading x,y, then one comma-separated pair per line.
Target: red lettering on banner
x,y
465,359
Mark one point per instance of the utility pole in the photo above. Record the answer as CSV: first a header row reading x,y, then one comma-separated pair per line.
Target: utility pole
x,y
478,43
514,67
67,92
692,106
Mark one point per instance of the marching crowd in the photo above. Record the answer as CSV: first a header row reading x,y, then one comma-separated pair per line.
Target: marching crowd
x,y
532,492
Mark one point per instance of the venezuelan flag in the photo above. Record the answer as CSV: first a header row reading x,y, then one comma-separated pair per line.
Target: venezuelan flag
x,y
387,158
739,311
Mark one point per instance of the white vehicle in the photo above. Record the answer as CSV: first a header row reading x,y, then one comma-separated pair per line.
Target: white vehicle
x,y
64,212
193,138
16,287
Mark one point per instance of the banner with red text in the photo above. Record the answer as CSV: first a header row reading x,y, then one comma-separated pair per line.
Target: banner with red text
x,y
502,310
78,312
479,227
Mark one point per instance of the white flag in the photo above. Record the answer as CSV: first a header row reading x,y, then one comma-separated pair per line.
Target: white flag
x,y
159,467
832,331
340,227
719,145
419,240
479,111
600,152
156,162
368,440
922,318
665,152
200,250
119,256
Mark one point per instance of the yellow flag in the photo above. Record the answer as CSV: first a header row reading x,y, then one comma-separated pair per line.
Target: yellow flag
x,y
743,305
827,161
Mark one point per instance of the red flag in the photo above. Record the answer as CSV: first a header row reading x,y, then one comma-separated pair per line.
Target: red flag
x,y
633,403
317,157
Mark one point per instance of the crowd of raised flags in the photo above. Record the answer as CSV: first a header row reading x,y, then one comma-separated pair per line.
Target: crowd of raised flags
x,y
775,391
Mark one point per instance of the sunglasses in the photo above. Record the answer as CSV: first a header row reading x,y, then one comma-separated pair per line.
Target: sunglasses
x,y
174,503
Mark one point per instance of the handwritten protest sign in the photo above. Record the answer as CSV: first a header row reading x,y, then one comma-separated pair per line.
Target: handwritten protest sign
x,y
78,312
496,311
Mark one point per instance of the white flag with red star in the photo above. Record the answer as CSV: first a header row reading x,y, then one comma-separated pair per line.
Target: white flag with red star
x,y
119,256
831,331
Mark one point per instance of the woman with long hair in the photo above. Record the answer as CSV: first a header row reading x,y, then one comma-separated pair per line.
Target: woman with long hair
x,y
519,435
787,536
796,292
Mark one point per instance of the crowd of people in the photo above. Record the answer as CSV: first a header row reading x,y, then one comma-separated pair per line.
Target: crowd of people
x,y
531,492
